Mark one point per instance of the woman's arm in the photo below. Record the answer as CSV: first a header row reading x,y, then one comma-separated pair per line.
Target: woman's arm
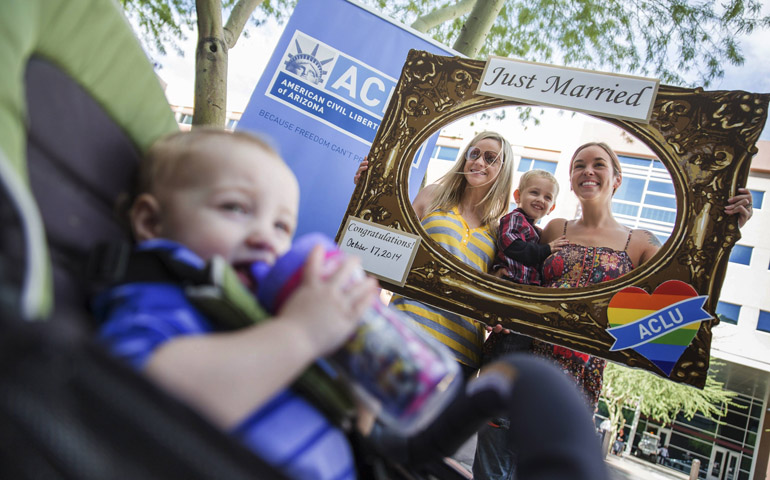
x,y
422,201
740,205
647,245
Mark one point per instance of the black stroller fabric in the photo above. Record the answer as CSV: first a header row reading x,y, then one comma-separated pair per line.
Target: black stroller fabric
x,y
79,161
68,411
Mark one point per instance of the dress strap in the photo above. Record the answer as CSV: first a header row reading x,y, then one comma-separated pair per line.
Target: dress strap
x,y
628,240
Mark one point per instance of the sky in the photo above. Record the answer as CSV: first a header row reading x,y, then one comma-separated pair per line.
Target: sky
x,y
250,56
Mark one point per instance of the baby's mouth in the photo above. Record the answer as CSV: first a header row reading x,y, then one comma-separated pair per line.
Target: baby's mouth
x,y
245,274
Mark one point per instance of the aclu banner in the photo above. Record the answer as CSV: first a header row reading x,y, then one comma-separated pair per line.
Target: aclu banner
x,y
323,95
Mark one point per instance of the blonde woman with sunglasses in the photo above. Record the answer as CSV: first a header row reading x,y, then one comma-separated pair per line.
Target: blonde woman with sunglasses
x,y
461,212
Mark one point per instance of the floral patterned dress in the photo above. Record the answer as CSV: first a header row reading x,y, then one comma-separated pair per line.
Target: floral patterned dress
x,y
579,266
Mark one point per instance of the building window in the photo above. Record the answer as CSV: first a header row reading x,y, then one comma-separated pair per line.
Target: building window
x,y
728,312
763,323
445,153
631,190
756,198
185,119
527,164
646,197
231,124
741,254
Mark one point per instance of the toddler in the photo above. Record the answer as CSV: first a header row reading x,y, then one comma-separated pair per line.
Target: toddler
x,y
519,255
210,193
519,259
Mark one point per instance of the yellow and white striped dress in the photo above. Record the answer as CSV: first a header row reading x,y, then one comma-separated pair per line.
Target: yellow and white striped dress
x,y
473,246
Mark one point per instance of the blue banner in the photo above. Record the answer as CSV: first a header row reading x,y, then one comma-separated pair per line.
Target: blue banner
x,y
322,98
657,324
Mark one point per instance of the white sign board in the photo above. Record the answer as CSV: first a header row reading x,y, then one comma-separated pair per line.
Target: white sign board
x,y
612,95
385,252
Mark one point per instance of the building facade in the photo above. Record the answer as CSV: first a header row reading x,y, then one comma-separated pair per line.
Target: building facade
x,y
184,117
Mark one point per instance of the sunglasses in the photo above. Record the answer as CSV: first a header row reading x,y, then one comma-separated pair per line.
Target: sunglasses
x,y
475,152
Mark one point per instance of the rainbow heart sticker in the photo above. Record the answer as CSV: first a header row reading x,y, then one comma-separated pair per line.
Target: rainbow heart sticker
x,y
659,326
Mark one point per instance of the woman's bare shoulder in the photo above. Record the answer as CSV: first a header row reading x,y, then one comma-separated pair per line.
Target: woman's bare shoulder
x,y
553,230
642,246
644,238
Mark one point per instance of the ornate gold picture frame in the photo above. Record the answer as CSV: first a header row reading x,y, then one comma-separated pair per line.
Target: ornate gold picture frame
x,y
706,141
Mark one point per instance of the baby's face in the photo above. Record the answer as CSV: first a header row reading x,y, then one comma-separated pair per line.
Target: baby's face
x,y
538,197
235,200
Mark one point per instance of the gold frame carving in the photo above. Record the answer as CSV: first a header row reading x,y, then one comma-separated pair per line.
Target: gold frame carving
x,y
705,139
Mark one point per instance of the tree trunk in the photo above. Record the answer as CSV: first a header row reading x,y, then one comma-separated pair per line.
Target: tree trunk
x,y
634,424
210,66
443,14
476,28
614,413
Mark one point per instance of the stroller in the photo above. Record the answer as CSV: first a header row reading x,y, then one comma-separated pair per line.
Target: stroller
x,y
79,102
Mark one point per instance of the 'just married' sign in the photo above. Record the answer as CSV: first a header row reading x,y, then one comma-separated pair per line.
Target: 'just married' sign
x,y
619,96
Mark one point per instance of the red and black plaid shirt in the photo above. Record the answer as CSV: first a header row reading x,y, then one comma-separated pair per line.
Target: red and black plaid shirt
x,y
518,252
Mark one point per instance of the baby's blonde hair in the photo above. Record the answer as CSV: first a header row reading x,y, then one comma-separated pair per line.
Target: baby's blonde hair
x,y
529,175
166,155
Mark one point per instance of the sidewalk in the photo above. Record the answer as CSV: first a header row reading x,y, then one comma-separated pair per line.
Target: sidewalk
x,y
626,467
629,467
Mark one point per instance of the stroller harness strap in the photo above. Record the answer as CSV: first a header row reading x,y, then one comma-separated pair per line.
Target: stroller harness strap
x,y
216,291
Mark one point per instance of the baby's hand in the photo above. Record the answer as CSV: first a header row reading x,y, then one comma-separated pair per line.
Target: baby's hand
x,y
364,166
328,309
558,243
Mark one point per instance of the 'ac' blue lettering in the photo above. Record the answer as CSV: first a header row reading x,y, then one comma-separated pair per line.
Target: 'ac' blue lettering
x,y
361,85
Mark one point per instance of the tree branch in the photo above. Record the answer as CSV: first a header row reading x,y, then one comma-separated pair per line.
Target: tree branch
x,y
238,17
443,14
209,13
476,28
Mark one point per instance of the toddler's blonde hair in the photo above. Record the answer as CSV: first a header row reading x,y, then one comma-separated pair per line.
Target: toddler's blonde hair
x,y
529,175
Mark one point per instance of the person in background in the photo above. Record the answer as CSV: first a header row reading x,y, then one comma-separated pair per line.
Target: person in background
x,y
599,249
617,446
663,455
461,212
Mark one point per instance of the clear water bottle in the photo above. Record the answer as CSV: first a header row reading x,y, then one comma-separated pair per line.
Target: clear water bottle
x,y
400,372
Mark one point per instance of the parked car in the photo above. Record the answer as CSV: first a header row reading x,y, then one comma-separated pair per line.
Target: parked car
x,y
648,447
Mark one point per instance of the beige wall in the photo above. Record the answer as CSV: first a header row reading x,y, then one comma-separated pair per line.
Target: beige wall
x,y
760,164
